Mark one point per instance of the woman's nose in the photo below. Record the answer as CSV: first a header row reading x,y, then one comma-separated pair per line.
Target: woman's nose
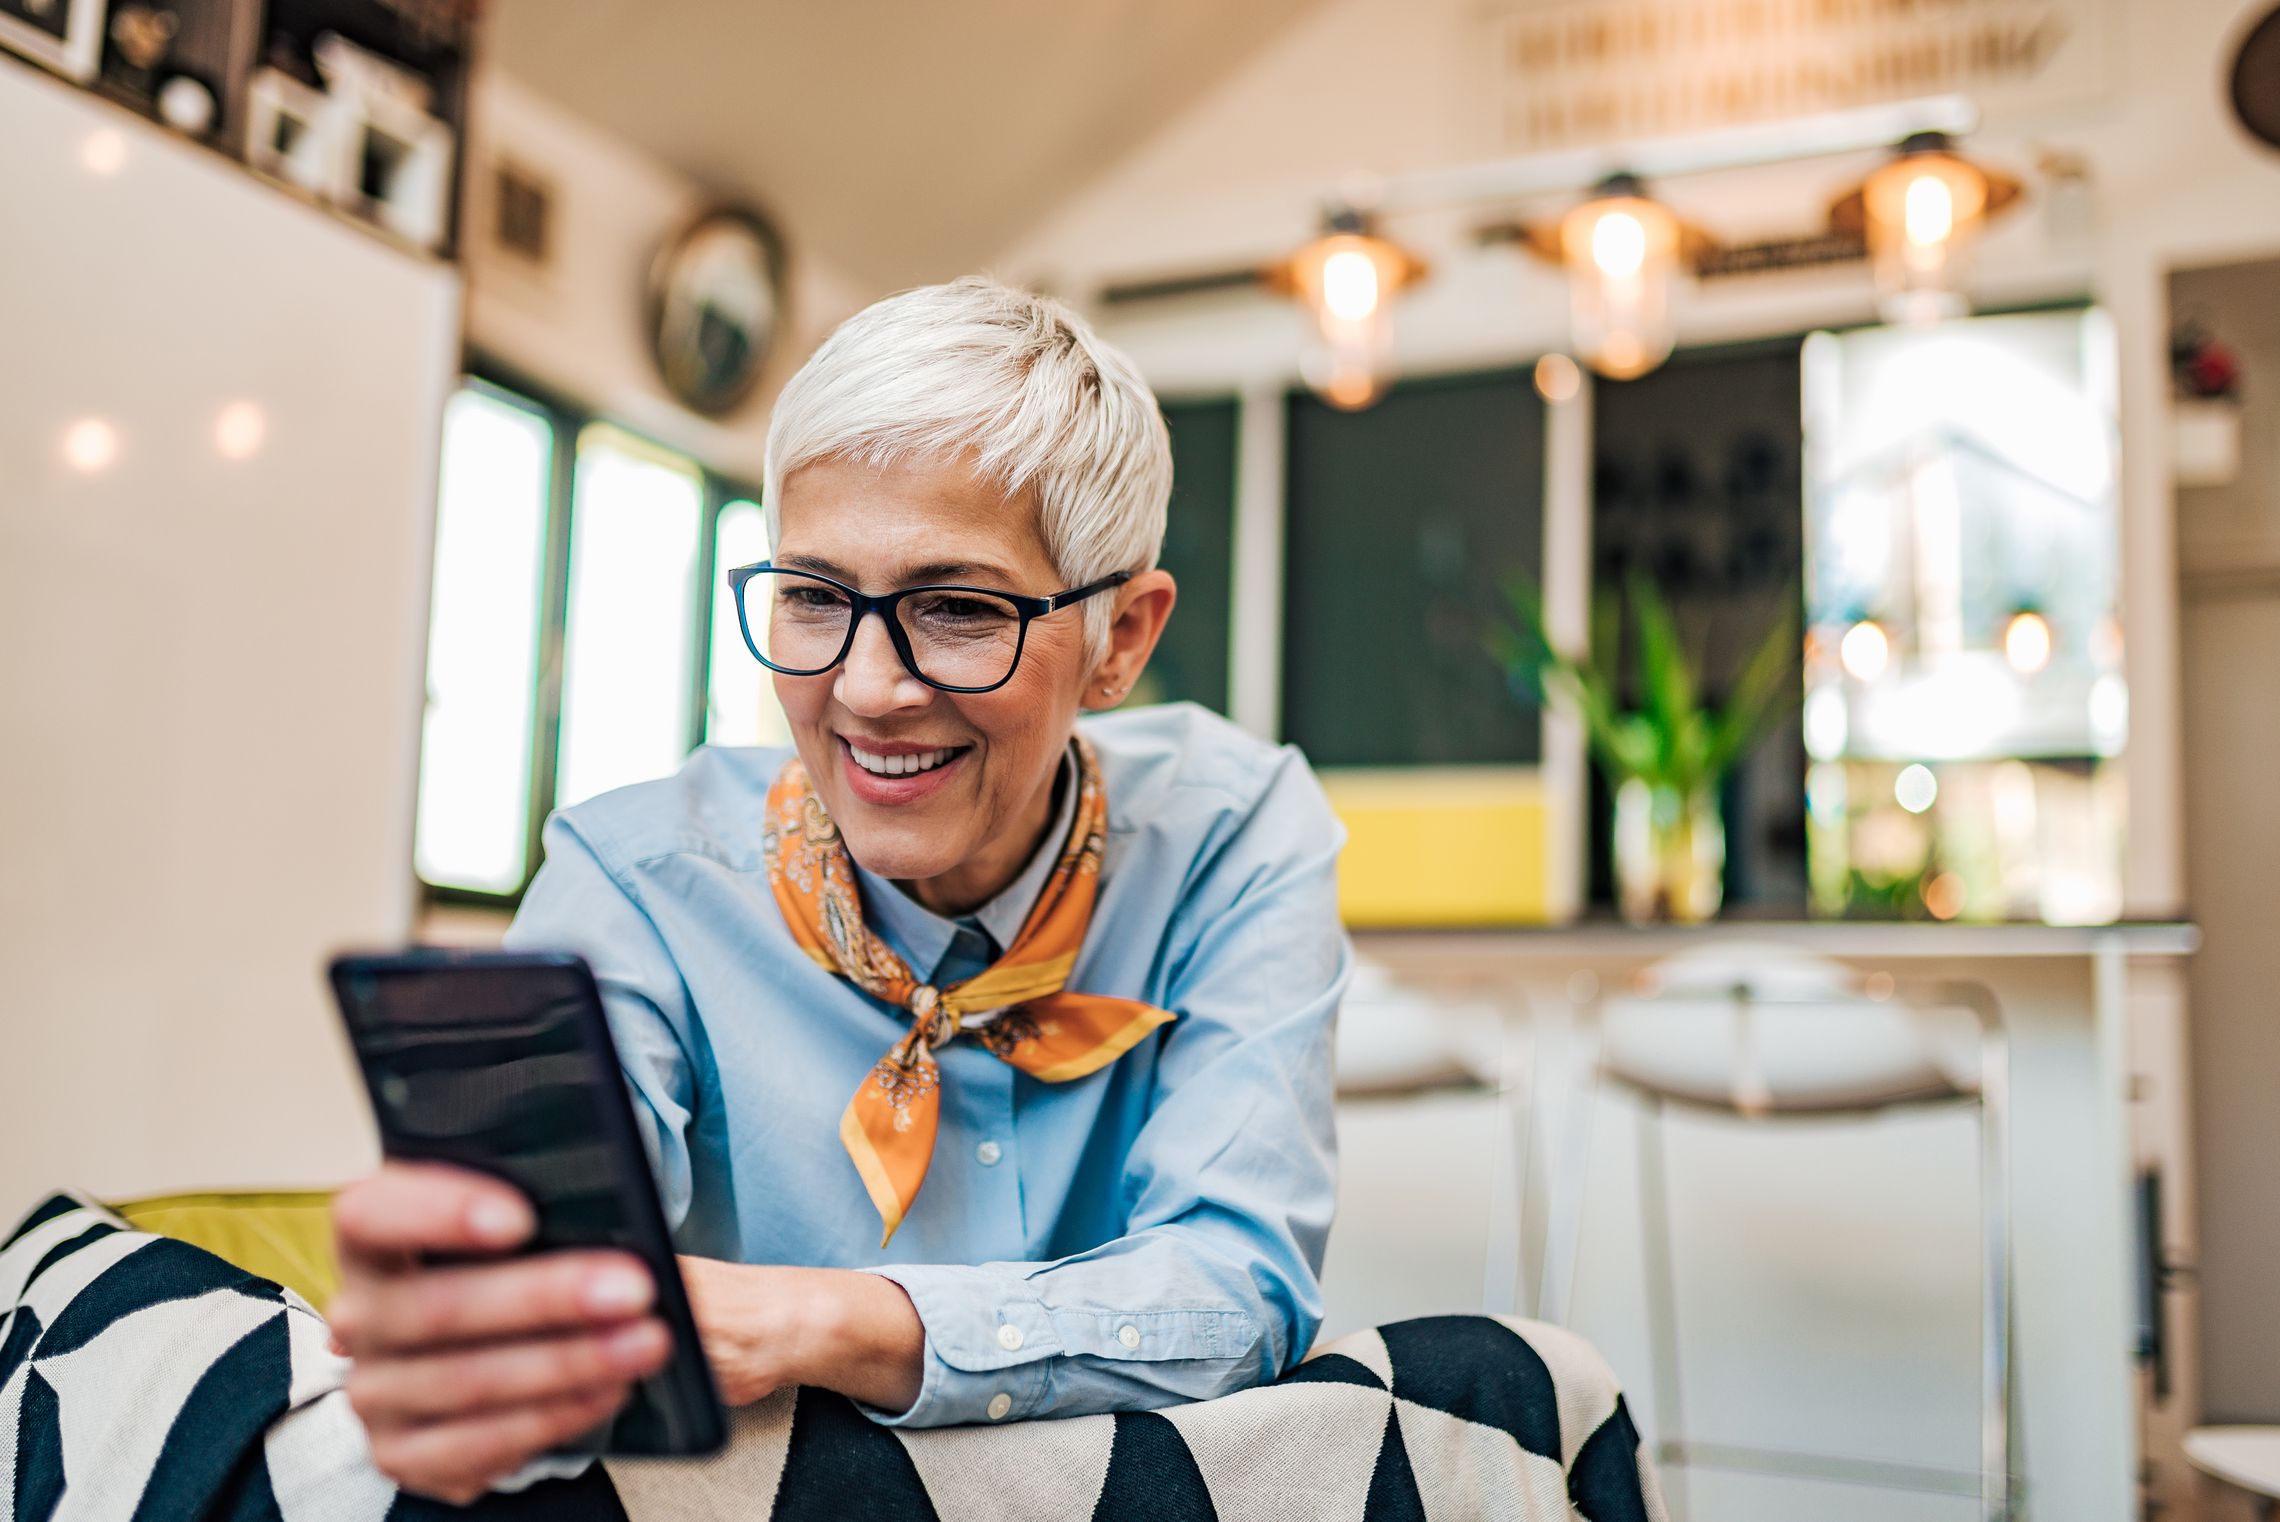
x,y
873,680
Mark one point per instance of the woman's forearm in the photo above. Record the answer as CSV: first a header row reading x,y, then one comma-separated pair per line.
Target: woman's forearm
x,y
766,1326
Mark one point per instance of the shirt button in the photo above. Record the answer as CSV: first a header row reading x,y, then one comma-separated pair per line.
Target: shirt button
x,y
1000,1404
988,1153
1009,1337
1128,1335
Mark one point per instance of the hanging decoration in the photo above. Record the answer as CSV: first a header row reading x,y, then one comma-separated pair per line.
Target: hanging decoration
x,y
1347,280
1919,215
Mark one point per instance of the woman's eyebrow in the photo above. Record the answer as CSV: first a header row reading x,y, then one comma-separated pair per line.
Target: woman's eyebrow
x,y
936,570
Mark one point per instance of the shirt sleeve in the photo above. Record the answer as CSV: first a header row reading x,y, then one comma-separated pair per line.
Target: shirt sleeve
x,y
1232,1178
576,903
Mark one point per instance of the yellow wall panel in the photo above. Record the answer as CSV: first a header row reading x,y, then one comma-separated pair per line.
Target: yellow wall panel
x,y
1435,846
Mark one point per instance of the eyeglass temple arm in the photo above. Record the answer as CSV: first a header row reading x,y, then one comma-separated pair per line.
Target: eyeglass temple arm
x,y
1079,594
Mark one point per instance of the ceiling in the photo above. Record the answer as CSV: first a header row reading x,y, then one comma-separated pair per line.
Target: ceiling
x,y
899,140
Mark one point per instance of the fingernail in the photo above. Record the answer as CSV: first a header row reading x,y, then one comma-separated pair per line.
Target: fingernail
x,y
500,1222
617,1292
632,1346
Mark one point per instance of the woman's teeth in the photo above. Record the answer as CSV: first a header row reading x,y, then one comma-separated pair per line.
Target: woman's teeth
x,y
900,766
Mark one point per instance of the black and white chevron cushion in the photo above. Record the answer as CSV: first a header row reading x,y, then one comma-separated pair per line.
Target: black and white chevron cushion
x,y
145,1380
1451,1417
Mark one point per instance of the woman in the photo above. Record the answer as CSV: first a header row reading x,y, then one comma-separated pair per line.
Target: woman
x,y
1079,980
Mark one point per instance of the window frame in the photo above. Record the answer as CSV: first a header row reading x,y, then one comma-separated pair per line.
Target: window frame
x,y
569,419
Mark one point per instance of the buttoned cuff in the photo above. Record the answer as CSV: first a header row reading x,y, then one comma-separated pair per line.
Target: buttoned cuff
x,y
989,1346
995,1347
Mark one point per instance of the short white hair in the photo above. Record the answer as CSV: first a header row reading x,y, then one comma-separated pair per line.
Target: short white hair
x,y
1018,383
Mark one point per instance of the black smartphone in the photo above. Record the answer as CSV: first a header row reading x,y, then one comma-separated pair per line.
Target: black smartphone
x,y
502,1062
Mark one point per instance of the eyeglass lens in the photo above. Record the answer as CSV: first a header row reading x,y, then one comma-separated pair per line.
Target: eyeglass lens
x,y
959,638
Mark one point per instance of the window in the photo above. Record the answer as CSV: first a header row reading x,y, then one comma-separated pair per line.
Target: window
x,y
575,641
483,639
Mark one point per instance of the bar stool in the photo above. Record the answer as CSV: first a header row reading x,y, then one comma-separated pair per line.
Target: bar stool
x,y
1762,1034
2246,1458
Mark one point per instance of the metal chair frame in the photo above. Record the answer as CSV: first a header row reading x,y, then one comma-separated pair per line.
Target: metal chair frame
x,y
1997,1482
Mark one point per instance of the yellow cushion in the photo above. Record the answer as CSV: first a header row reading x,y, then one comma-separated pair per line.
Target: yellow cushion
x,y
285,1236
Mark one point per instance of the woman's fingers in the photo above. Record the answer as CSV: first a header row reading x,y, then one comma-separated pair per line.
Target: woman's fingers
x,y
459,1460
460,1384
410,1208
396,1313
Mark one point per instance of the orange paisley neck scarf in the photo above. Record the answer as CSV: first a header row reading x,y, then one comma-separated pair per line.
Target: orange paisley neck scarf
x,y
1019,1007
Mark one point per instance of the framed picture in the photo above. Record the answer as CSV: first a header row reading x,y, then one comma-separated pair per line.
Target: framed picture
x,y
63,35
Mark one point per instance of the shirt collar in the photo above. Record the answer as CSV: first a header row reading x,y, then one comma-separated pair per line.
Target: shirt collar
x,y
922,936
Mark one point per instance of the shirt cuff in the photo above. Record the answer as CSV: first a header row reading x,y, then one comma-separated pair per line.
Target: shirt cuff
x,y
989,1346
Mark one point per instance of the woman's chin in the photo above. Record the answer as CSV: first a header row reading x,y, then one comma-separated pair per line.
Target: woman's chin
x,y
896,850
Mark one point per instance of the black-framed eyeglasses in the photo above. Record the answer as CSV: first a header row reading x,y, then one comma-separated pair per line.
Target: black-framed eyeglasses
x,y
953,638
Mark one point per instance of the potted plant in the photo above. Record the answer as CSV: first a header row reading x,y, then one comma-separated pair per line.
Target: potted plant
x,y
1664,758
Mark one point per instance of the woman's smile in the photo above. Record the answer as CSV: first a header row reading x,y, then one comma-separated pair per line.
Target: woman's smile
x,y
890,773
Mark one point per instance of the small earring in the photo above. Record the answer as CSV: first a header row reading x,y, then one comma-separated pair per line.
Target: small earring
x,y
1107,691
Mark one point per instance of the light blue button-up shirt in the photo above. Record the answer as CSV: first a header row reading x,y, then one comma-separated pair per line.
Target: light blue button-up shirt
x,y
1147,1234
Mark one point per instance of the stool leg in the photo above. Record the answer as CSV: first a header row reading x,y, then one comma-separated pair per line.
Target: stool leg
x,y
1997,1459
1661,1294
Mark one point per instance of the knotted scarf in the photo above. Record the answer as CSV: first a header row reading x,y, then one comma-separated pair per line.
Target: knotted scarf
x,y
1019,1007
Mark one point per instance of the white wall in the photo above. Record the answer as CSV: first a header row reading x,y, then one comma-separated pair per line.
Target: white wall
x,y
210,667
577,325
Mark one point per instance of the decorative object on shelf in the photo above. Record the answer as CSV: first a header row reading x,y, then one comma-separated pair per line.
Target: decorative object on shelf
x,y
142,36
367,142
286,132
716,299
2204,409
395,153
1919,215
63,35
1665,758
186,105
1347,280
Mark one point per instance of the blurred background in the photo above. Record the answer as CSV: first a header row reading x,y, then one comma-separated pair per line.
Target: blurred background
x,y
1753,507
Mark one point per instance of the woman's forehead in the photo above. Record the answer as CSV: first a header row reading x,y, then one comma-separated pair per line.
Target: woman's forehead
x,y
920,521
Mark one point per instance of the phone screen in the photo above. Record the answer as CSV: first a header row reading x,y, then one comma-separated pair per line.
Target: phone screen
x,y
501,1062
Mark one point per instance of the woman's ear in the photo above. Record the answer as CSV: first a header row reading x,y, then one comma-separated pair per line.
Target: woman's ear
x,y
1142,606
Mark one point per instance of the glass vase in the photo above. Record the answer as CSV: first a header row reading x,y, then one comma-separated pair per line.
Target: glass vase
x,y
1670,853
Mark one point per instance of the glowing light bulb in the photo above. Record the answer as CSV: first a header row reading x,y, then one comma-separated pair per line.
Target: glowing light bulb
x,y
1865,650
1558,378
239,429
1915,789
90,445
1928,210
1619,244
1350,285
2027,642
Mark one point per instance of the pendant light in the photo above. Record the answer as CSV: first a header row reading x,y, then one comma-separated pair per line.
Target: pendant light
x,y
1919,215
1622,251
1347,279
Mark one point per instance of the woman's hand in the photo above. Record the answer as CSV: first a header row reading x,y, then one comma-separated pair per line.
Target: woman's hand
x,y
765,1327
463,1374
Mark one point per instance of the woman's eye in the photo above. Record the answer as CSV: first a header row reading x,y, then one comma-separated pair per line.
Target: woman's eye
x,y
971,607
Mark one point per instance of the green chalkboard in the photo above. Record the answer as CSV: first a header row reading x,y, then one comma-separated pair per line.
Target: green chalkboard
x,y
1401,521
1199,540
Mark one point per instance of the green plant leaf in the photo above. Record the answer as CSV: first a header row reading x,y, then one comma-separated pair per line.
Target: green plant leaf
x,y
1665,680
